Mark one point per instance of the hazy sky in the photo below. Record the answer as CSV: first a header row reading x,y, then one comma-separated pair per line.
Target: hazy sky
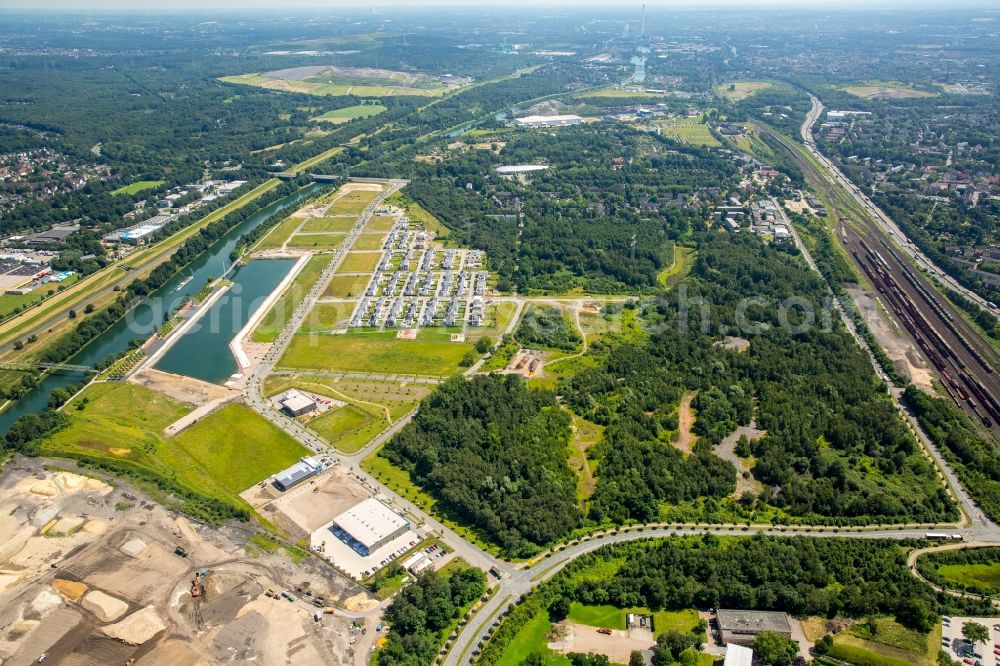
x,y
279,5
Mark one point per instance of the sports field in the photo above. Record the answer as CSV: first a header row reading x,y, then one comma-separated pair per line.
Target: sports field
x,y
350,113
277,317
138,186
738,90
691,131
374,352
218,457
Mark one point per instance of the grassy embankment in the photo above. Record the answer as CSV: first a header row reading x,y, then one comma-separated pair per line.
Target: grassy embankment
x,y
119,426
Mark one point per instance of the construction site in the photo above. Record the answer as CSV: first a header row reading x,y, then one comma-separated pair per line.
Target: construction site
x,y
92,573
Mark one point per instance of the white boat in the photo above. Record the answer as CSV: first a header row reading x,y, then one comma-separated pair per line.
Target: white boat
x,y
183,283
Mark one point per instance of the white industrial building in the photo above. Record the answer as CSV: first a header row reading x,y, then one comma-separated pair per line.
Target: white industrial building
x,y
368,525
417,563
296,403
289,478
548,121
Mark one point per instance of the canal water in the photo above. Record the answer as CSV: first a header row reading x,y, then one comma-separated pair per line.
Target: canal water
x,y
203,351
147,316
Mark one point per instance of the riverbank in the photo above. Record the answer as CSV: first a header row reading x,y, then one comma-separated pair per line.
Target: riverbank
x,y
236,345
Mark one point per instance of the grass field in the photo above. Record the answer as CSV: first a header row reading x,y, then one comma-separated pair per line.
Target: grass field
x,y
985,576
394,398
277,317
359,262
348,428
683,261
340,225
346,286
316,241
326,317
376,352
218,457
380,223
889,89
10,302
531,639
138,186
350,113
737,90
369,242
614,618
352,203
621,93
885,642
419,214
691,131
281,233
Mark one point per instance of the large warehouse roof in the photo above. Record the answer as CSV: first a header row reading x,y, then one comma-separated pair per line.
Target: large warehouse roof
x,y
738,655
369,522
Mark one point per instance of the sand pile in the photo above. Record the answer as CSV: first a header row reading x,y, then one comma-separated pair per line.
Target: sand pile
x,y
360,602
137,628
104,606
95,526
46,601
133,547
70,589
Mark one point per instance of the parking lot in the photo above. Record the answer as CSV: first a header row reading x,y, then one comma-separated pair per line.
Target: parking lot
x,y
958,648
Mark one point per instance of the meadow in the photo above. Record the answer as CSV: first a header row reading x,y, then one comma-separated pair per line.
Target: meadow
x,y
136,187
350,113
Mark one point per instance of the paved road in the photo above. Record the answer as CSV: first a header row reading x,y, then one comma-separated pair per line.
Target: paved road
x,y
879,215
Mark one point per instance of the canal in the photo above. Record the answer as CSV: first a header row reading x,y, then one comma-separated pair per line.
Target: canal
x,y
203,350
146,317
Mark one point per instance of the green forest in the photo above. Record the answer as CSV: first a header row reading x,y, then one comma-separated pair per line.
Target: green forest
x,y
492,452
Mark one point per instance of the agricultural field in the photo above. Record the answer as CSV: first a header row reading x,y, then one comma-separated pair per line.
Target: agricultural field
x,y
121,425
691,131
739,90
338,81
349,113
136,187
374,352
277,317
889,90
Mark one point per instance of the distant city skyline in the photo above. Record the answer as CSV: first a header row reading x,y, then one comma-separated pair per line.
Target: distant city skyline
x,y
269,5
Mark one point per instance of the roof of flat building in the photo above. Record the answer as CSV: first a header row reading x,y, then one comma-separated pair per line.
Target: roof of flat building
x,y
295,400
370,521
753,622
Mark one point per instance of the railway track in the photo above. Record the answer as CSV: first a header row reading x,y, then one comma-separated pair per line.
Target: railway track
x,y
967,367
